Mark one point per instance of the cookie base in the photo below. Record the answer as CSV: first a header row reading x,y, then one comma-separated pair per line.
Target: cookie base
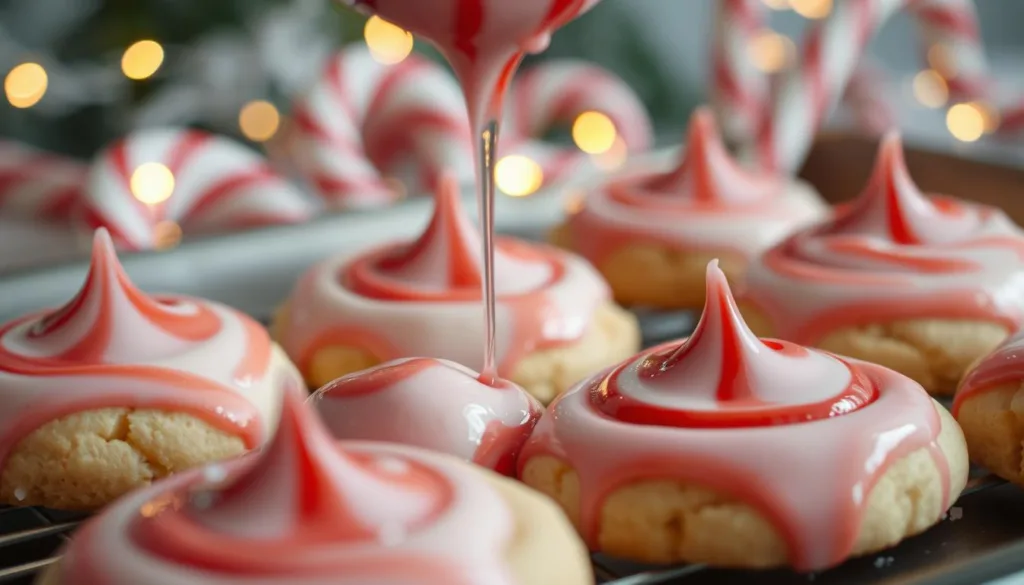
x,y
658,276
935,353
993,423
86,460
669,522
613,337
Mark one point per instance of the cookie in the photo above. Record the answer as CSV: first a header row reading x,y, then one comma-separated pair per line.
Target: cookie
x,y
651,234
734,451
116,389
369,513
923,284
555,318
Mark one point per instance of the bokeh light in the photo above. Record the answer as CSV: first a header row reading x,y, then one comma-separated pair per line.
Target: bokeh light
x,y
166,235
930,89
259,120
152,183
813,9
518,176
966,122
388,44
142,59
613,158
593,132
26,84
770,52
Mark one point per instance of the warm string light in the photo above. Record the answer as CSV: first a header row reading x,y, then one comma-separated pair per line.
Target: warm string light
x,y
152,183
142,60
813,9
930,89
388,44
770,52
25,85
259,120
166,235
966,122
594,132
518,176
614,158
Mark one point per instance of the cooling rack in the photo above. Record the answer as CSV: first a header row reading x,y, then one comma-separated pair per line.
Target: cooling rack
x,y
982,537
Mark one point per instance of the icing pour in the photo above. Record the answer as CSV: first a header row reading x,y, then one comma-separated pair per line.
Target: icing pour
x,y
326,513
800,435
422,298
112,346
707,202
893,253
435,404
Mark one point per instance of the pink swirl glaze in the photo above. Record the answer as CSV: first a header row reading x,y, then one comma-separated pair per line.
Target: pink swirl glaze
x,y
423,298
305,511
706,203
799,434
893,253
434,404
112,346
1005,365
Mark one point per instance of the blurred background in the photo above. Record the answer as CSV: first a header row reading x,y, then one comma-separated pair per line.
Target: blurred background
x,y
79,73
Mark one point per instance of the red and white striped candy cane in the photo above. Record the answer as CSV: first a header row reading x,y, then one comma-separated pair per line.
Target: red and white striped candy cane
x,y
219,185
557,92
38,185
364,123
952,27
864,98
739,90
807,94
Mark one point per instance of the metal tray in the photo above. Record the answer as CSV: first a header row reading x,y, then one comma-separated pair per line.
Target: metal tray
x,y
982,538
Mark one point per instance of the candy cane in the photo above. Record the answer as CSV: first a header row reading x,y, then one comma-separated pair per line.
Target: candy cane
x,y
872,114
37,185
807,94
218,185
739,89
557,92
364,122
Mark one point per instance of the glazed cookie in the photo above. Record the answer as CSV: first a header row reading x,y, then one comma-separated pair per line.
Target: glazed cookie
x,y
116,389
740,452
349,513
990,408
924,285
435,404
652,234
556,320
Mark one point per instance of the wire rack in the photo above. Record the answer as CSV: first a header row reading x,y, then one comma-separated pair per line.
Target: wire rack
x,y
979,540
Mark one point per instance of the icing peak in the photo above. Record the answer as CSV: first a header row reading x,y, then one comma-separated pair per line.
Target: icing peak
x,y
707,175
723,375
105,321
894,208
445,262
305,487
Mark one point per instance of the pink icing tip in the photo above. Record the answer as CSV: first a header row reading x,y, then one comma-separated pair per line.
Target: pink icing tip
x,y
893,207
708,174
305,483
448,255
109,318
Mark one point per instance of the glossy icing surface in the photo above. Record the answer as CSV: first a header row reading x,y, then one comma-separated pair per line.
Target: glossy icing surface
x,y
435,404
800,435
1005,365
307,510
112,346
422,298
894,253
706,203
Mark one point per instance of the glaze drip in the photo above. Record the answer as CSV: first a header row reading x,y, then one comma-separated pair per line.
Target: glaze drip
x,y
707,177
301,491
103,322
723,375
445,261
